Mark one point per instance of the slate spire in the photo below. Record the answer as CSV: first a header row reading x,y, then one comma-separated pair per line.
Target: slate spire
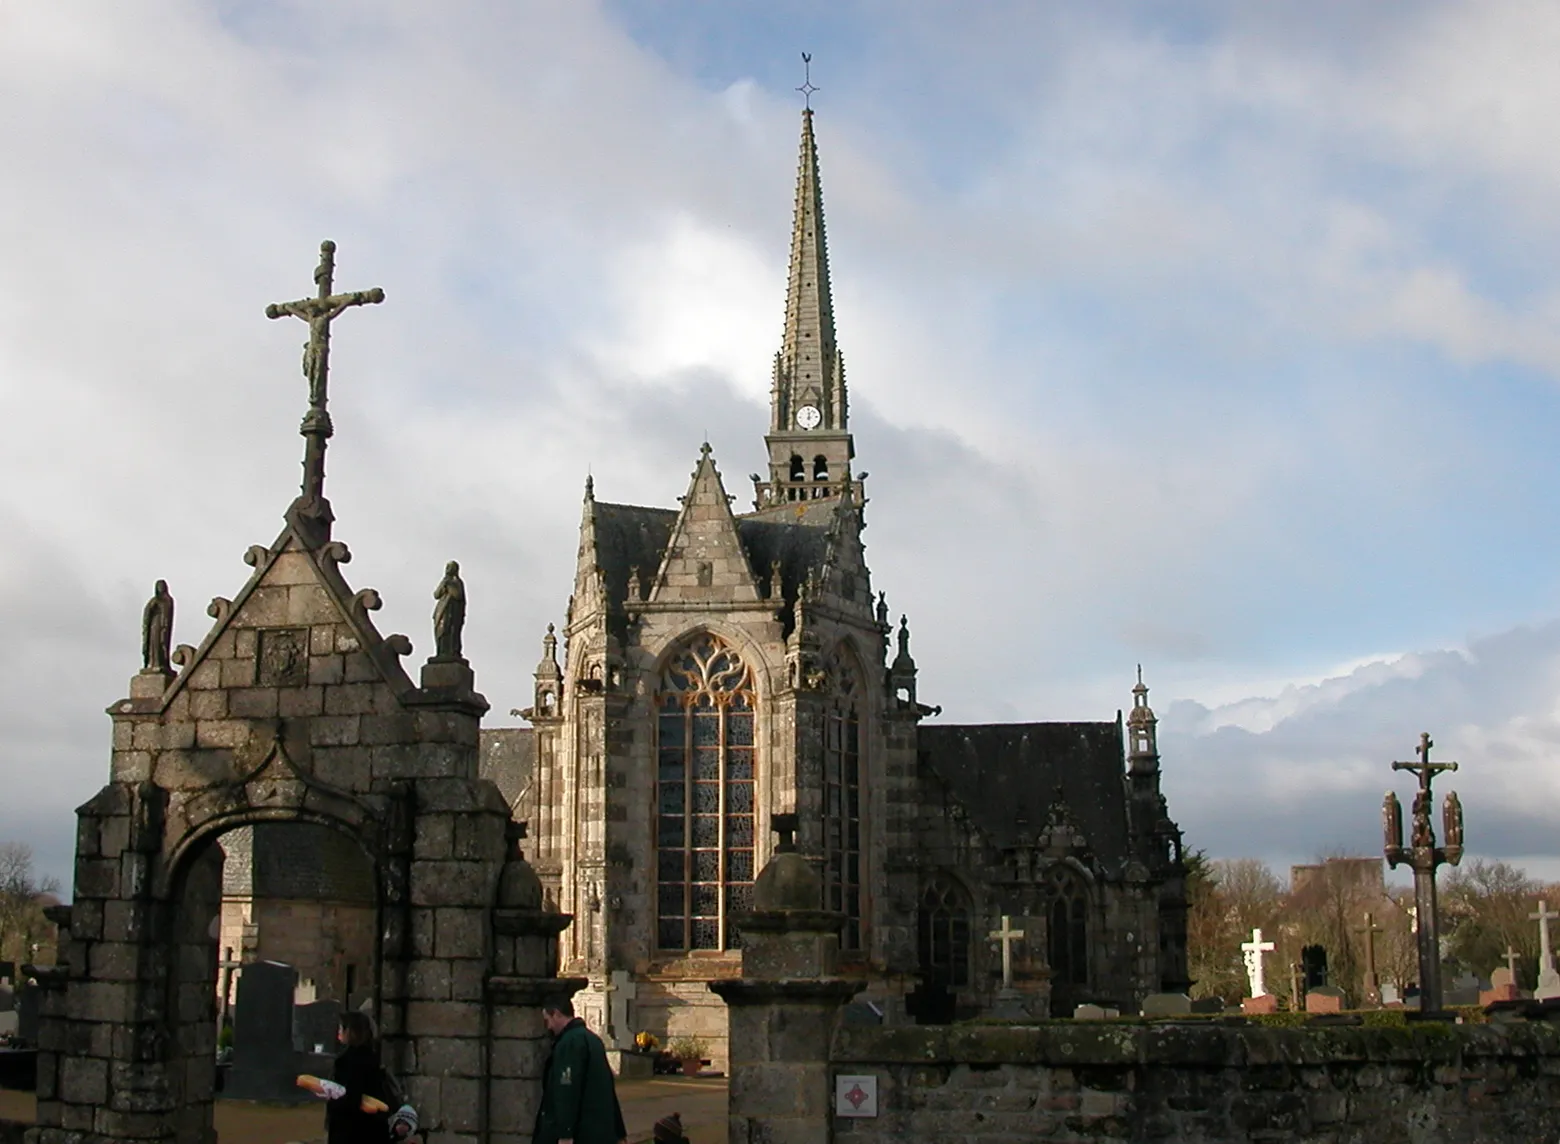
x,y
809,439
809,360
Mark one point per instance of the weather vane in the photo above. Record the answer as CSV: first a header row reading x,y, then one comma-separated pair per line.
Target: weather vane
x,y
808,87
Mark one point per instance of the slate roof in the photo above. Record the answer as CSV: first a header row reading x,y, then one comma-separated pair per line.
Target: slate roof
x,y
1005,775
630,536
297,861
507,755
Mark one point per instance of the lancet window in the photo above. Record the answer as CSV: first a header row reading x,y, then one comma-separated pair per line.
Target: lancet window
x,y
842,797
704,796
1068,936
943,932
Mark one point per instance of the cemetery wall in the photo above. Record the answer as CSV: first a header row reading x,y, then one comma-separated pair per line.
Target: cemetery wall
x,y
1105,1081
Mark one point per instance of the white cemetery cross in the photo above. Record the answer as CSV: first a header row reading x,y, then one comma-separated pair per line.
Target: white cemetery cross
x,y
1007,935
1548,979
1253,951
620,991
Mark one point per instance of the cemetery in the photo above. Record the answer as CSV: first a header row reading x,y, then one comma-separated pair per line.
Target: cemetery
x,y
995,951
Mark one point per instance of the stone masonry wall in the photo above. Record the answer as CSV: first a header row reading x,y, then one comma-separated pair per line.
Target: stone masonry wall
x,y
1101,1082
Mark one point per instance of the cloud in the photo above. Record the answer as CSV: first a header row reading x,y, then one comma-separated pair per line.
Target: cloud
x,y
1296,773
1219,339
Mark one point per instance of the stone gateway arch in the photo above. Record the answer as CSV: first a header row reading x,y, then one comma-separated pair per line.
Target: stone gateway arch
x,y
294,708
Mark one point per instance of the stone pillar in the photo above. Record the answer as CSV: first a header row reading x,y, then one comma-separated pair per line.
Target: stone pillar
x,y
525,959
784,1007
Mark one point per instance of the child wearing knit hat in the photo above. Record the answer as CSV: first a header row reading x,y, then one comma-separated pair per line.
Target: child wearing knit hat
x,y
669,1130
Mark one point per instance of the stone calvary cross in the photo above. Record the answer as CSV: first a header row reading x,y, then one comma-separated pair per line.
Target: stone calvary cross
x,y
1253,951
311,511
1007,935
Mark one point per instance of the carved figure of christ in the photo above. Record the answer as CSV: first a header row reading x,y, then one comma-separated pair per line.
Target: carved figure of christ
x,y
1253,951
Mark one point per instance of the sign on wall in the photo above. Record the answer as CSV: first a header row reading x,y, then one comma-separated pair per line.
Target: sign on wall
x,y
855,1096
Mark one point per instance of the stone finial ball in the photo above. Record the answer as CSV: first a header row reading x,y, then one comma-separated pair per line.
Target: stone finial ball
x,y
788,882
518,886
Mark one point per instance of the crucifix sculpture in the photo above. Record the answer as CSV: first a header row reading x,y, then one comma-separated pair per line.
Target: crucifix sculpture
x,y
1422,856
310,514
1252,951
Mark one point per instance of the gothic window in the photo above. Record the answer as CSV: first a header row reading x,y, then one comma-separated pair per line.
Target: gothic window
x,y
943,932
1068,914
842,798
820,468
704,797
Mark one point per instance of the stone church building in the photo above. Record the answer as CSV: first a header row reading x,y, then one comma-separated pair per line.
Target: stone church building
x,y
719,667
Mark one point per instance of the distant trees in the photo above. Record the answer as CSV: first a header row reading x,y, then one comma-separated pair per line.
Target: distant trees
x,y
1486,908
23,896
1227,899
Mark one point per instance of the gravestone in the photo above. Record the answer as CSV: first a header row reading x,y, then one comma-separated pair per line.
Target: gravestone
x,y
1324,999
620,1015
1503,987
1088,1012
27,1000
1167,1005
265,1064
931,1002
1313,966
1266,1003
8,972
1390,994
1208,1005
1463,991
314,1027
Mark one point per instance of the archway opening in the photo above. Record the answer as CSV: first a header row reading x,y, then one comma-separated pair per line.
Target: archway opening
x,y
273,931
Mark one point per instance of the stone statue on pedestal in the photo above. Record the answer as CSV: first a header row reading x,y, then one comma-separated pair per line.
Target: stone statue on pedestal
x,y
157,629
449,613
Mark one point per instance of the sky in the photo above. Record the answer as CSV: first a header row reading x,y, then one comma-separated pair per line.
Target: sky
x,y
1217,337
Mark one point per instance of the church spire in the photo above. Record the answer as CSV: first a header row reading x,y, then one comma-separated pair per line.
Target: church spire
x,y
809,424
808,362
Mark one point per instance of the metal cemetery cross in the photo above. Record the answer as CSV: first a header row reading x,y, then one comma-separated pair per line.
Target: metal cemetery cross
x,y
319,312
1253,951
1422,856
1007,935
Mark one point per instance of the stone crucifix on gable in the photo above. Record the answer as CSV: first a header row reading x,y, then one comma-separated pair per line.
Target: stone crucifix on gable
x,y
319,311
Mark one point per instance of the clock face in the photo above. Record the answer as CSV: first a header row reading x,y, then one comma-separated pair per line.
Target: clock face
x,y
808,417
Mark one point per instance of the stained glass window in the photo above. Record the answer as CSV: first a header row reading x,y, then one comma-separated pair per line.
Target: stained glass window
x,y
842,799
704,797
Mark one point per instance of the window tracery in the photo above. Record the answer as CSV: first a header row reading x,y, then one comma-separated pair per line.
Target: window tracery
x,y
1068,929
704,796
943,933
842,795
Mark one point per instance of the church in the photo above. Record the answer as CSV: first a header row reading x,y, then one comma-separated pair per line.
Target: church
x,y
725,672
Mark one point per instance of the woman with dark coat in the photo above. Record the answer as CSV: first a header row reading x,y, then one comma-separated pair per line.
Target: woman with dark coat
x,y
358,1072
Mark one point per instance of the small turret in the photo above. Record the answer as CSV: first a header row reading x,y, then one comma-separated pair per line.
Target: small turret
x,y
548,700
901,674
1142,733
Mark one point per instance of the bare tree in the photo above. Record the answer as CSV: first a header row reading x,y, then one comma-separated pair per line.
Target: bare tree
x,y
1487,908
1228,898
23,896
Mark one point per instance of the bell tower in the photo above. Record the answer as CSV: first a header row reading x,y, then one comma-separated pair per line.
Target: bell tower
x,y
810,446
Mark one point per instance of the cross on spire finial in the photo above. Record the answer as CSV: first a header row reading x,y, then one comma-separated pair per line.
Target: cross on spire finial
x,y
310,513
808,87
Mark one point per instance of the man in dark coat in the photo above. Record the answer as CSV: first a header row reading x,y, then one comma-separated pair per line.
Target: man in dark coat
x,y
579,1100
